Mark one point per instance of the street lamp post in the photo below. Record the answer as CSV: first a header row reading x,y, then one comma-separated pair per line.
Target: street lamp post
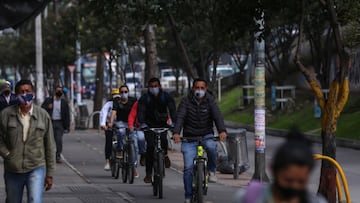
x,y
259,113
78,72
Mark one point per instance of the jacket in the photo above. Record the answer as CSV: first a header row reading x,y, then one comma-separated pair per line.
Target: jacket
x,y
132,121
105,113
154,111
196,118
3,102
39,147
65,110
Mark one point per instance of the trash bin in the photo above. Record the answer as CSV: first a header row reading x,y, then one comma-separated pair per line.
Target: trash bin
x,y
237,152
81,117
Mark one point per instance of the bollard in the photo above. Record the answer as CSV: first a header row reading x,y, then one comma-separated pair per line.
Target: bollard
x,y
237,150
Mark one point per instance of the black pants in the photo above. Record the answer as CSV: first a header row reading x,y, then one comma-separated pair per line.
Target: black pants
x,y
108,143
150,147
58,135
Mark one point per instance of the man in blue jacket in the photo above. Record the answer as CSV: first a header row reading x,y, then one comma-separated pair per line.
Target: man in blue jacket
x,y
196,114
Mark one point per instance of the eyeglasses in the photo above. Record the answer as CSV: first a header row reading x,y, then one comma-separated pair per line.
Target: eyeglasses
x,y
124,92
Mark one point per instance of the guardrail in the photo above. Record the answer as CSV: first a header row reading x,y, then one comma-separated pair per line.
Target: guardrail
x,y
342,175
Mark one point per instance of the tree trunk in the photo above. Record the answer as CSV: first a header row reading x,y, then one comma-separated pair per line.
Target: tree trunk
x,y
151,64
99,91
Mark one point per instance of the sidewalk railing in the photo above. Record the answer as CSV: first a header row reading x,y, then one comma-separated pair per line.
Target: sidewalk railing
x,y
342,175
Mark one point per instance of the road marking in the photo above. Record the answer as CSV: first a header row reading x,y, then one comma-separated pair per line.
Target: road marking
x,y
75,170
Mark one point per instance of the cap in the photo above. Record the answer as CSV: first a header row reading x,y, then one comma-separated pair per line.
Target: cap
x,y
115,91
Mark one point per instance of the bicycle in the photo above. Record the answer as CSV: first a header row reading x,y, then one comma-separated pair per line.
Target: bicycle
x,y
159,162
200,172
128,163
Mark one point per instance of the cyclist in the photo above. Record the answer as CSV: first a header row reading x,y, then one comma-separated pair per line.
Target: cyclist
x,y
140,147
105,115
153,111
196,114
121,111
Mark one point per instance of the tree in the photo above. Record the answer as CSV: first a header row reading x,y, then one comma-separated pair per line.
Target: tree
x,y
338,95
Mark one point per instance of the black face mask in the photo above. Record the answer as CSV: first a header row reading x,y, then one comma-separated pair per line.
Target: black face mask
x,y
290,193
59,94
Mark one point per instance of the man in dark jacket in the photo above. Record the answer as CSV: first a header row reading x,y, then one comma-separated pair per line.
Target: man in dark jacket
x,y
6,97
58,109
196,114
154,109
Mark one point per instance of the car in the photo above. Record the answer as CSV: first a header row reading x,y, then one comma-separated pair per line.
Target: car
x,y
222,71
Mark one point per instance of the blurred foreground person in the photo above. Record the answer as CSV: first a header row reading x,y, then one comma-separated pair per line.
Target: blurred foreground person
x,y
291,169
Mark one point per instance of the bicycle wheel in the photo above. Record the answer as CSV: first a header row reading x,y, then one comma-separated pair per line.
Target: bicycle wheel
x,y
130,162
199,186
117,168
112,163
125,166
160,174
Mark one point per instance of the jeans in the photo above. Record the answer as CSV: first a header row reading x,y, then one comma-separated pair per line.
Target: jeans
x,y
189,150
33,180
120,133
139,143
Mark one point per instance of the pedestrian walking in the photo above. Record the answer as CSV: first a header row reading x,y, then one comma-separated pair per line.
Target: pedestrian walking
x,y
195,116
59,111
154,109
7,98
27,147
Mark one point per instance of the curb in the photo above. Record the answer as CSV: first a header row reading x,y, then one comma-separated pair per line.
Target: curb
x,y
341,142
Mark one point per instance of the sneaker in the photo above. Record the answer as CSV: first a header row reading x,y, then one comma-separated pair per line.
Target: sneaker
x,y
136,174
212,177
187,200
59,161
147,179
107,167
167,162
142,160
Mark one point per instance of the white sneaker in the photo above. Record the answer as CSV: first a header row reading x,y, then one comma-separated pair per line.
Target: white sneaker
x,y
107,167
187,200
136,174
212,177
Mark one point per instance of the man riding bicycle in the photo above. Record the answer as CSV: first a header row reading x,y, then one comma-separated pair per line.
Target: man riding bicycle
x,y
196,114
121,111
153,112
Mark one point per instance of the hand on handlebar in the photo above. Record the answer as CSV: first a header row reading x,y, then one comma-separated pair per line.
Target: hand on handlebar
x,y
176,138
222,136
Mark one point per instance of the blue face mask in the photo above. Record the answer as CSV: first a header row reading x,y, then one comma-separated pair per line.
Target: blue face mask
x,y
199,94
124,95
26,99
154,90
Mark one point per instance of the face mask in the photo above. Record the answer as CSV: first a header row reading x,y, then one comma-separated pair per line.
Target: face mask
x,y
124,95
199,93
154,90
59,94
26,99
289,193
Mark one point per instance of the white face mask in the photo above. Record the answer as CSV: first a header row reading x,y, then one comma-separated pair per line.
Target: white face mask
x,y
199,94
154,90
124,95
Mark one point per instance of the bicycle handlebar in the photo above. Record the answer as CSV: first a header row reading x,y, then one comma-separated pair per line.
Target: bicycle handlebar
x,y
156,130
198,139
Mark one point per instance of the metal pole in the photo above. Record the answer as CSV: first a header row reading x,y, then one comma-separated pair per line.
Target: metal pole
x,y
259,117
78,72
39,61
72,98
219,88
